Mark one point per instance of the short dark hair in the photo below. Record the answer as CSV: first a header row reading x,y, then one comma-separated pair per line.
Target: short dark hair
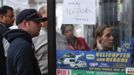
x,y
63,27
4,9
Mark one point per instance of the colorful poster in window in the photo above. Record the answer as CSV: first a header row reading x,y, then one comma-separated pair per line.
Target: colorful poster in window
x,y
94,61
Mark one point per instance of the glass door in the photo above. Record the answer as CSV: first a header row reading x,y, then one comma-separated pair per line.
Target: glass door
x,y
94,37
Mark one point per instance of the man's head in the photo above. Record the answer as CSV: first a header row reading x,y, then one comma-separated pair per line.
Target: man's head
x,y
43,13
30,21
7,15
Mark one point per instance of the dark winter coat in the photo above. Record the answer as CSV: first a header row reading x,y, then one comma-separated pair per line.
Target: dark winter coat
x,y
3,29
20,55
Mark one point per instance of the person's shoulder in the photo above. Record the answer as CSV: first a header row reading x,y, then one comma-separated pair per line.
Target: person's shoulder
x,y
19,47
22,45
21,42
3,29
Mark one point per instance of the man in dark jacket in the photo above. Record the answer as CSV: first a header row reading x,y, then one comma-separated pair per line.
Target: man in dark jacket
x,y
6,20
20,54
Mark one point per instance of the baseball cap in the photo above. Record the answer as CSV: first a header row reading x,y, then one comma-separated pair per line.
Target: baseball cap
x,y
29,14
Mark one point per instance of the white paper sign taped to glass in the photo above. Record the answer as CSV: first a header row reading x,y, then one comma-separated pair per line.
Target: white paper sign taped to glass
x,y
79,12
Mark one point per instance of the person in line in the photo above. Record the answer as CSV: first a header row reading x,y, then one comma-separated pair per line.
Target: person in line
x,y
73,42
20,54
6,20
103,40
41,44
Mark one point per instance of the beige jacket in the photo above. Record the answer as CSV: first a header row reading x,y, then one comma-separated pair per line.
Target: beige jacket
x,y
41,50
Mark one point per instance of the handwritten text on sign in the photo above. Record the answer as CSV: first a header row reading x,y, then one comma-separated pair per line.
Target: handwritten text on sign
x,y
79,12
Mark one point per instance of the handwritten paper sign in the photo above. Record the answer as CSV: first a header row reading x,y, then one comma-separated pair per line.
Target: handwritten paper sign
x,y
79,12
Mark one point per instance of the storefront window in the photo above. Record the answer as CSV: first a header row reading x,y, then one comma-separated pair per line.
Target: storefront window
x,y
102,47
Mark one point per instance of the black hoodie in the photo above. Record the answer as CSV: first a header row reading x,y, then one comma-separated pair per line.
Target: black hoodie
x,y
20,54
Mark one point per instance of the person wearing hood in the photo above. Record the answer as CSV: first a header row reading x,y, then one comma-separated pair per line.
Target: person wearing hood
x,y
6,20
20,54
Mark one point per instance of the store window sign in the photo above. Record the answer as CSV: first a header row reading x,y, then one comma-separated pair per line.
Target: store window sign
x,y
79,12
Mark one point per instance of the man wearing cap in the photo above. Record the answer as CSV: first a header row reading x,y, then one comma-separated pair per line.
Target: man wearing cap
x,y
20,54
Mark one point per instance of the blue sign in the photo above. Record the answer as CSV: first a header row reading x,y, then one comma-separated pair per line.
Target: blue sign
x,y
93,60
